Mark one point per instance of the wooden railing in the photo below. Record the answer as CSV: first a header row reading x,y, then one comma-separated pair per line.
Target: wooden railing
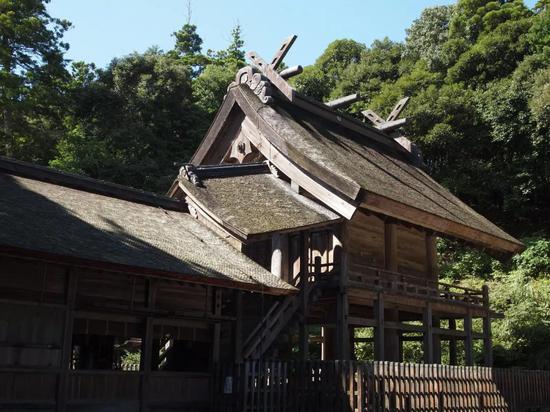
x,y
386,280
346,386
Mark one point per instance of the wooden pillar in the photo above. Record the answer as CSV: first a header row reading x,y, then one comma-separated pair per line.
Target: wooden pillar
x,y
147,347
70,298
342,327
452,343
487,333
436,340
379,331
304,284
432,268
217,311
328,348
468,339
279,255
238,327
391,336
343,349
428,334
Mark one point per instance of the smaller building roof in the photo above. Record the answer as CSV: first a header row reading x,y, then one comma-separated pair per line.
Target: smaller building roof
x,y
47,220
249,200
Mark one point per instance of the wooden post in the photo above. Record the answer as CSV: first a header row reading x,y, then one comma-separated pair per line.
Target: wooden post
x,y
217,311
436,340
487,333
238,327
391,336
468,339
279,255
379,331
147,347
432,268
304,284
390,234
343,349
452,343
342,327
428,334
70,297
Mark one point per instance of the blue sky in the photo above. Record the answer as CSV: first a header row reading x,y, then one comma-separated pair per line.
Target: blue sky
x,y
104,29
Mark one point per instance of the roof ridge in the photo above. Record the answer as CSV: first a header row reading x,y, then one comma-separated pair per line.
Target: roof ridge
x,y
87,184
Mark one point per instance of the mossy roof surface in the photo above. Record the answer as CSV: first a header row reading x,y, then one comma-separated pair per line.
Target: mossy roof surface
x,y
257,203
354,157
58,220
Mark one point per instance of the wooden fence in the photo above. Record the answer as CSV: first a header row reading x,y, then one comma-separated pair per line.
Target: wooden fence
x,y
347,386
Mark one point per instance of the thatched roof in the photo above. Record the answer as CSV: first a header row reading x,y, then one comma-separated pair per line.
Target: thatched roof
x,y
358,165
250,204
54,221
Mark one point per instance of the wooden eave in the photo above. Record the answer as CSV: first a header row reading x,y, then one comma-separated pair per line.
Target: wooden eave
x,y
142,271
401,211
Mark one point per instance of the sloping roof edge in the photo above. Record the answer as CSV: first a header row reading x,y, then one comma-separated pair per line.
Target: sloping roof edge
x,y
120,268
389,207
87,184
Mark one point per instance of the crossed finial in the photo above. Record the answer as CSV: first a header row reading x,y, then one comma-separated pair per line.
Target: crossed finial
x,y
392,122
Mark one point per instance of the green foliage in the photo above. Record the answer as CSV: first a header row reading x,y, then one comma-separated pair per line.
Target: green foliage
x,y
428,34
32,74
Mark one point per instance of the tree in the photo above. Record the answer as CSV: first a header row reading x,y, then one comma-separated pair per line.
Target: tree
x,y
428,34
132,122
32,75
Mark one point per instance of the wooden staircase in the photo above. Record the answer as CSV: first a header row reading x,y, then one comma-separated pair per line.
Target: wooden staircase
x,y
280,316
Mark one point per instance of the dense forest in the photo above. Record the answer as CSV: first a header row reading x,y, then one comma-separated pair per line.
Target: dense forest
x,y
478,73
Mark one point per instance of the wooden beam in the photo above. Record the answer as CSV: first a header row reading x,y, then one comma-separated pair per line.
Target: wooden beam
x,y
283,50
399,107
390,126
291,72
344,101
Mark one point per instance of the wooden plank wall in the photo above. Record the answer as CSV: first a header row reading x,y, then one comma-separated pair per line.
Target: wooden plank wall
x,y
44,305
367,247
340,386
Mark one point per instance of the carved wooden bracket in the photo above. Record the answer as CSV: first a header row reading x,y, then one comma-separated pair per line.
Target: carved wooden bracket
x,y
257,82
189,172
242,150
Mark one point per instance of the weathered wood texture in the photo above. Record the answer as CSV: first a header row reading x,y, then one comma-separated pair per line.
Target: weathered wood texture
x,y
44,307
378,387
